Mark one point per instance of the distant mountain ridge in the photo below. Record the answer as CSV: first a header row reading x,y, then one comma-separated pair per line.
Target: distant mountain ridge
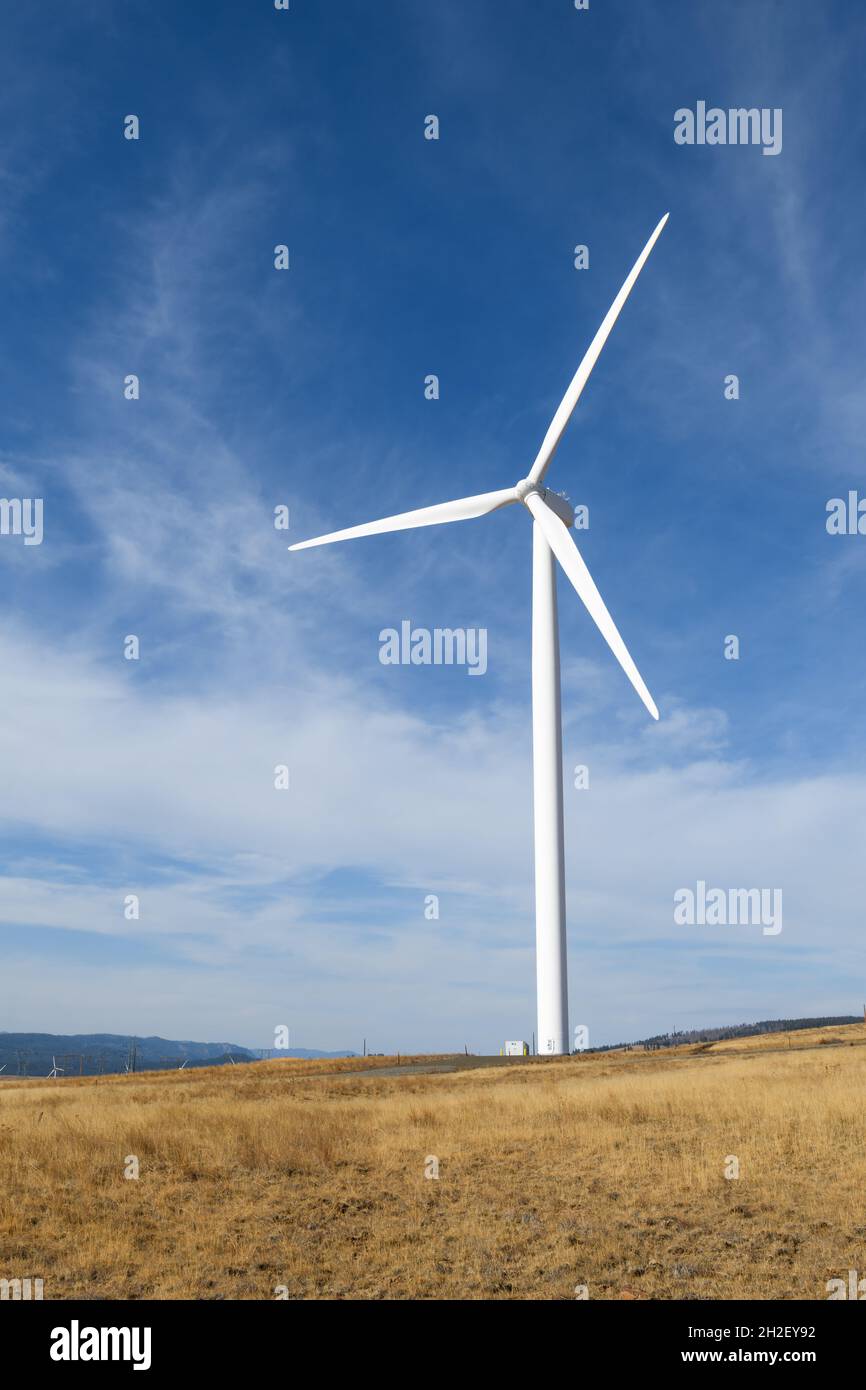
x,y
736,1030
90,1054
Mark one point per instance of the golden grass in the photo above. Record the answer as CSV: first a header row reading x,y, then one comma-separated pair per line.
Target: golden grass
x,y
605,1170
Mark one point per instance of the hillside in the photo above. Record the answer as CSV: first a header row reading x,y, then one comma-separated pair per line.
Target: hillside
x,y
736,1030
713,1170
97,1054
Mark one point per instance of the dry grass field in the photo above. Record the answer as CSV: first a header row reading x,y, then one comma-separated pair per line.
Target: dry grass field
x,y
603,1170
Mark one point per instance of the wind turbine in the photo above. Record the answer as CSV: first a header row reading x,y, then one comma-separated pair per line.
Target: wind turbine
x,y
55,1070
4,1066
552,515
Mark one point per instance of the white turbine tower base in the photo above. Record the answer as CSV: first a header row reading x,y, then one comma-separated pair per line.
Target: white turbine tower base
x,y
552,516
551,963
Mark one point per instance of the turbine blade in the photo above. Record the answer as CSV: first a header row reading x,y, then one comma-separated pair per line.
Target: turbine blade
x,y
568,555
462,510
581,376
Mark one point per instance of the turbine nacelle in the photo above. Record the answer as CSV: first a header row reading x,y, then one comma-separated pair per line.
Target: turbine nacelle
x,y
554,500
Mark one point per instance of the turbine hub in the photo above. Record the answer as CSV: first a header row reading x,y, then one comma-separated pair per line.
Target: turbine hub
x,y
560,505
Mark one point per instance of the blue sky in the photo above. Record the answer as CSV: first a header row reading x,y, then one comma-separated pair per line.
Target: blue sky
x,y
306,388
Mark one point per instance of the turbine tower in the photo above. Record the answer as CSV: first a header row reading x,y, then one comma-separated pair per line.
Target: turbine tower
x,y
552,516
